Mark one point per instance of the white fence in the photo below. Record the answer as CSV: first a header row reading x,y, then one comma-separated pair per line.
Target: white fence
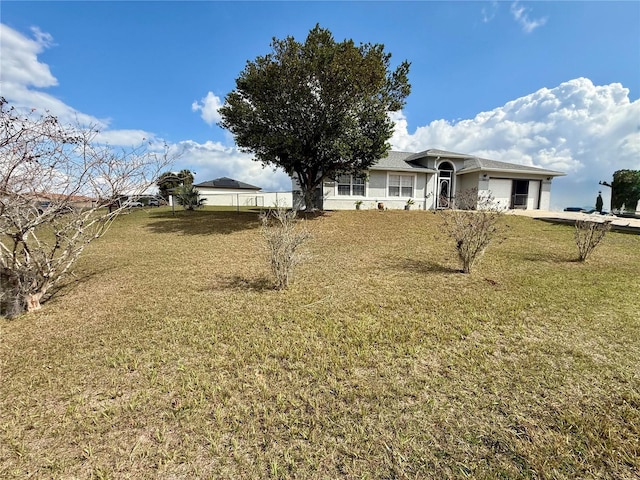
x,y
257,199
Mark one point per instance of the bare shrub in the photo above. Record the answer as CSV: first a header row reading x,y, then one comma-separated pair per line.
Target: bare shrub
x,y
588,236
472,225
283,234
55,181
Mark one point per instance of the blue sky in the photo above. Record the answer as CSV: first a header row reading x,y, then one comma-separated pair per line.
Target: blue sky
x,y
553,84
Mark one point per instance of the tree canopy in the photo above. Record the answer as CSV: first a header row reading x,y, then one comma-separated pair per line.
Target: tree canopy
x,y
316,109
625,189
170,180
188,196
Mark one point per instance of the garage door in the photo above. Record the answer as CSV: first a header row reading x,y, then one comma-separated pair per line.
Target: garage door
x,y
501,191
534,194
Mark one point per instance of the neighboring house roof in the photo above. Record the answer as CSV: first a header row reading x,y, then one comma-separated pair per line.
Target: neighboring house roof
x,y
54,197
399,161
227,183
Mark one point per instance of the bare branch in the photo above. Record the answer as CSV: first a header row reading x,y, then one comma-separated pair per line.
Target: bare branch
x,y
588,236
55,183
472,225
284,235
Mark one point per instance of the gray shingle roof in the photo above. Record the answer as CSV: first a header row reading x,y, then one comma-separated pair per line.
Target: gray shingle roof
x,y
227,183
399,161
433,152
473,164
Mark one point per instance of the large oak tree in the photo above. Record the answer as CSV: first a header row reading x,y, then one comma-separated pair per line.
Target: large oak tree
x,y
316,109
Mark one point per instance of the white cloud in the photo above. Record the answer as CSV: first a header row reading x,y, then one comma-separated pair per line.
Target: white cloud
x,y
19,61
23,76
584,130
520,14
129,138
489,12
211,160
208,108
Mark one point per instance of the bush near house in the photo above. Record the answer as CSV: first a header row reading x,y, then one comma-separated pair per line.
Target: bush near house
x,y
588,235
472,225
179,359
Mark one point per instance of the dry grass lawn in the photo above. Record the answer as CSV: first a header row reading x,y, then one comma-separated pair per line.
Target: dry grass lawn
x,y
170,356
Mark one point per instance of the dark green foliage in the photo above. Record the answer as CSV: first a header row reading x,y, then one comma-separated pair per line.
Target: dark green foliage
x,y
317,109
625,189
169,180
188,197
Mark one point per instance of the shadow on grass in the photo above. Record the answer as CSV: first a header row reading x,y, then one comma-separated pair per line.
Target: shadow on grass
x,y
71,283
237,282
203,222
550,258
425,266
313,215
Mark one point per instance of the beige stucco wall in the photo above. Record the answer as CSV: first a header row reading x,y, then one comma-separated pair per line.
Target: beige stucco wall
x,y
426,186
467,182
545,195
376,191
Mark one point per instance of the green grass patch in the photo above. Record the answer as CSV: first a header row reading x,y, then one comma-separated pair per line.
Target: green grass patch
x,y
169,355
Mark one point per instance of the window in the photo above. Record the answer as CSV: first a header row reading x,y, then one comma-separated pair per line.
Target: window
x,y
351,185
400,185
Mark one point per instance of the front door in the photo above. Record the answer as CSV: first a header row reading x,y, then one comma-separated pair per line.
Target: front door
x,y
444,195
445,184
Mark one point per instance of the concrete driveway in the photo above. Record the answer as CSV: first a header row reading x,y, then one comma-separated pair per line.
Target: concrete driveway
x,y
633,223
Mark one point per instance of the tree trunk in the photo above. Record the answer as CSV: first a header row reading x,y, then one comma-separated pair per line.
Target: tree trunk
x,y
14,300
308,181
309,199
32,301
11,304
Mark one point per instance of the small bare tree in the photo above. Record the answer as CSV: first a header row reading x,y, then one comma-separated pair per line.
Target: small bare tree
x,y
55,181
284,235
588,236
472,225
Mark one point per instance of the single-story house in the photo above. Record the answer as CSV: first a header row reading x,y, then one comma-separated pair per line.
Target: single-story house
x,y
228,192
433,178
